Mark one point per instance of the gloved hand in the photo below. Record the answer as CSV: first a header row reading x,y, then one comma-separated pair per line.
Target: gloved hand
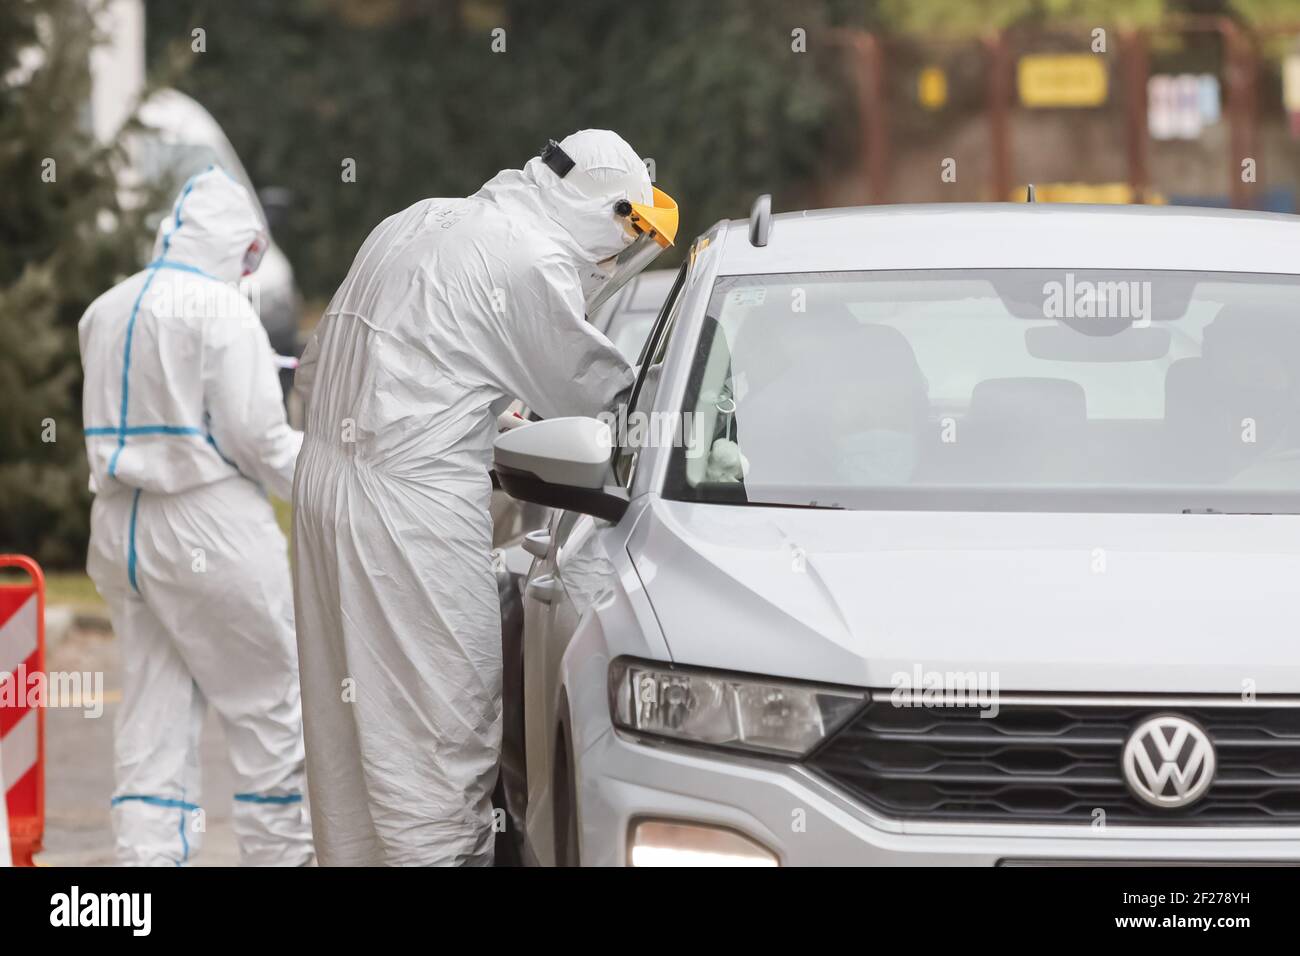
x,y
726,463
509,420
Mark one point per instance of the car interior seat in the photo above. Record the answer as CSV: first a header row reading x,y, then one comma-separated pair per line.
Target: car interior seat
x,y
1237,401
1023,429
833,376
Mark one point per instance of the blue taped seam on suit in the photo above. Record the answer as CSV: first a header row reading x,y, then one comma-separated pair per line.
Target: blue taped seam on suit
x,y
272,798
207,424
184,430
145,430
126,374
123,430
180,267
177,222
217,448
167,803
130,548
185,840
153,268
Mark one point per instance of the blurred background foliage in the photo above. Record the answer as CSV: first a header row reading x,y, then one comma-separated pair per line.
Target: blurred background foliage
x,y
413,91
63,241
722,95
415,94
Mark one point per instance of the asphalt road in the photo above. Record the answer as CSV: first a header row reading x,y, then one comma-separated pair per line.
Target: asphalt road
x,y
79,767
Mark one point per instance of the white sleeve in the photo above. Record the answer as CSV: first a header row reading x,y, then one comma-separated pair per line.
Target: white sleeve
x,y
304,378
555,361
245,410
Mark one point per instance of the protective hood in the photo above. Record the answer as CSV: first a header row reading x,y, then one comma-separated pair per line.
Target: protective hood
x,y
211,226
578,210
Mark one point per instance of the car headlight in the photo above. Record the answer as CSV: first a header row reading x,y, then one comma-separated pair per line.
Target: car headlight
x,y
724,710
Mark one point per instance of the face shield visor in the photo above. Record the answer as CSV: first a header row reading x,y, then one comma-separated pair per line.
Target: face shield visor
x,y
651,230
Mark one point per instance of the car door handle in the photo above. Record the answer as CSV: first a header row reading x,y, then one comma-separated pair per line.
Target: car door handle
x,y
538,543
544,588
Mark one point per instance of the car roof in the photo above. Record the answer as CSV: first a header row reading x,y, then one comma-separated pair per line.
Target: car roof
x,y
1016,236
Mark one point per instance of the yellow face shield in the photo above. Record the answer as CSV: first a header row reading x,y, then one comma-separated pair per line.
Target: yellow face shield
x,y
658,221
652,229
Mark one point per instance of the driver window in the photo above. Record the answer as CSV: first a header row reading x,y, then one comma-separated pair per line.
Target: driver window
x,y
647,384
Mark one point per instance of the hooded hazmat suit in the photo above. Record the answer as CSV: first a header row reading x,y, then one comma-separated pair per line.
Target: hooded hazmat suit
x,y
185,433
452,308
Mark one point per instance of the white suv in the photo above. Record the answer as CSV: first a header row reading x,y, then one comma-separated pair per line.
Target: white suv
x,y
950,535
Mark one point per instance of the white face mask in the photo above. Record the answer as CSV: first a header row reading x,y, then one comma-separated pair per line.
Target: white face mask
x,y
878,456
254,253
611,274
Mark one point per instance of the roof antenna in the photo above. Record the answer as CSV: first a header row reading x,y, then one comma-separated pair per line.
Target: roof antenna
x,y
760,220
1029,194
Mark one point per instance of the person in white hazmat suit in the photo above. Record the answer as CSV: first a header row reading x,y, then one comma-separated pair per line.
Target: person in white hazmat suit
x,y
452,308
185,434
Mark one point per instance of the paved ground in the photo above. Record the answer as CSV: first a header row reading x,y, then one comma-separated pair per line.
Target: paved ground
x,y
79,767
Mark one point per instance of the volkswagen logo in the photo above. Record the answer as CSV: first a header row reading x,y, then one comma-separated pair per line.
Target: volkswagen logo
x,y
1168,762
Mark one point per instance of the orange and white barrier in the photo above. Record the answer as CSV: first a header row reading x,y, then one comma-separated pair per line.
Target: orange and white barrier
x,y
22,723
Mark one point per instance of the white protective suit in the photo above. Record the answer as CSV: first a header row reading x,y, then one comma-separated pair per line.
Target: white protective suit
x,y
452,308
185,428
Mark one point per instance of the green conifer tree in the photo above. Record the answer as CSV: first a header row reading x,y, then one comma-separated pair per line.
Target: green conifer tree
x,y
63,241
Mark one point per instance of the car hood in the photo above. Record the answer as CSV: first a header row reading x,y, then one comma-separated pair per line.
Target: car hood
x,y
1143,603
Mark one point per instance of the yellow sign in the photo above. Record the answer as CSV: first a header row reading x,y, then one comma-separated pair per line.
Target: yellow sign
x,y
932,88
1061,80
1103,193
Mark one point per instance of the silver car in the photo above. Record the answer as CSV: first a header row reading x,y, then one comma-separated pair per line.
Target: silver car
x,y
626,319
932,535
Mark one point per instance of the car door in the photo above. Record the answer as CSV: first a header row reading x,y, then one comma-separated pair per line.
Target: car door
x,y
551,613
543,603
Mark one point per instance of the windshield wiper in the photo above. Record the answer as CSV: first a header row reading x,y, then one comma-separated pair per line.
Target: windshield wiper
x,y
812,505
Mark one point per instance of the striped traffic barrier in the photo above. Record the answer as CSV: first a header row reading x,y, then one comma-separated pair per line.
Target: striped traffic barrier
x,y
22,721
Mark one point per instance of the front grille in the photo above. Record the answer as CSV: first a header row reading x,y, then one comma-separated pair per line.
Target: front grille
x,y
1057,760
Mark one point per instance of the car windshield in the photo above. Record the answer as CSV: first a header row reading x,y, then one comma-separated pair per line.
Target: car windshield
x,y
1007,390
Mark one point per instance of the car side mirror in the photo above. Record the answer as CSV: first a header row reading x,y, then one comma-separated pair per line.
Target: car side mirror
x,y
561,463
